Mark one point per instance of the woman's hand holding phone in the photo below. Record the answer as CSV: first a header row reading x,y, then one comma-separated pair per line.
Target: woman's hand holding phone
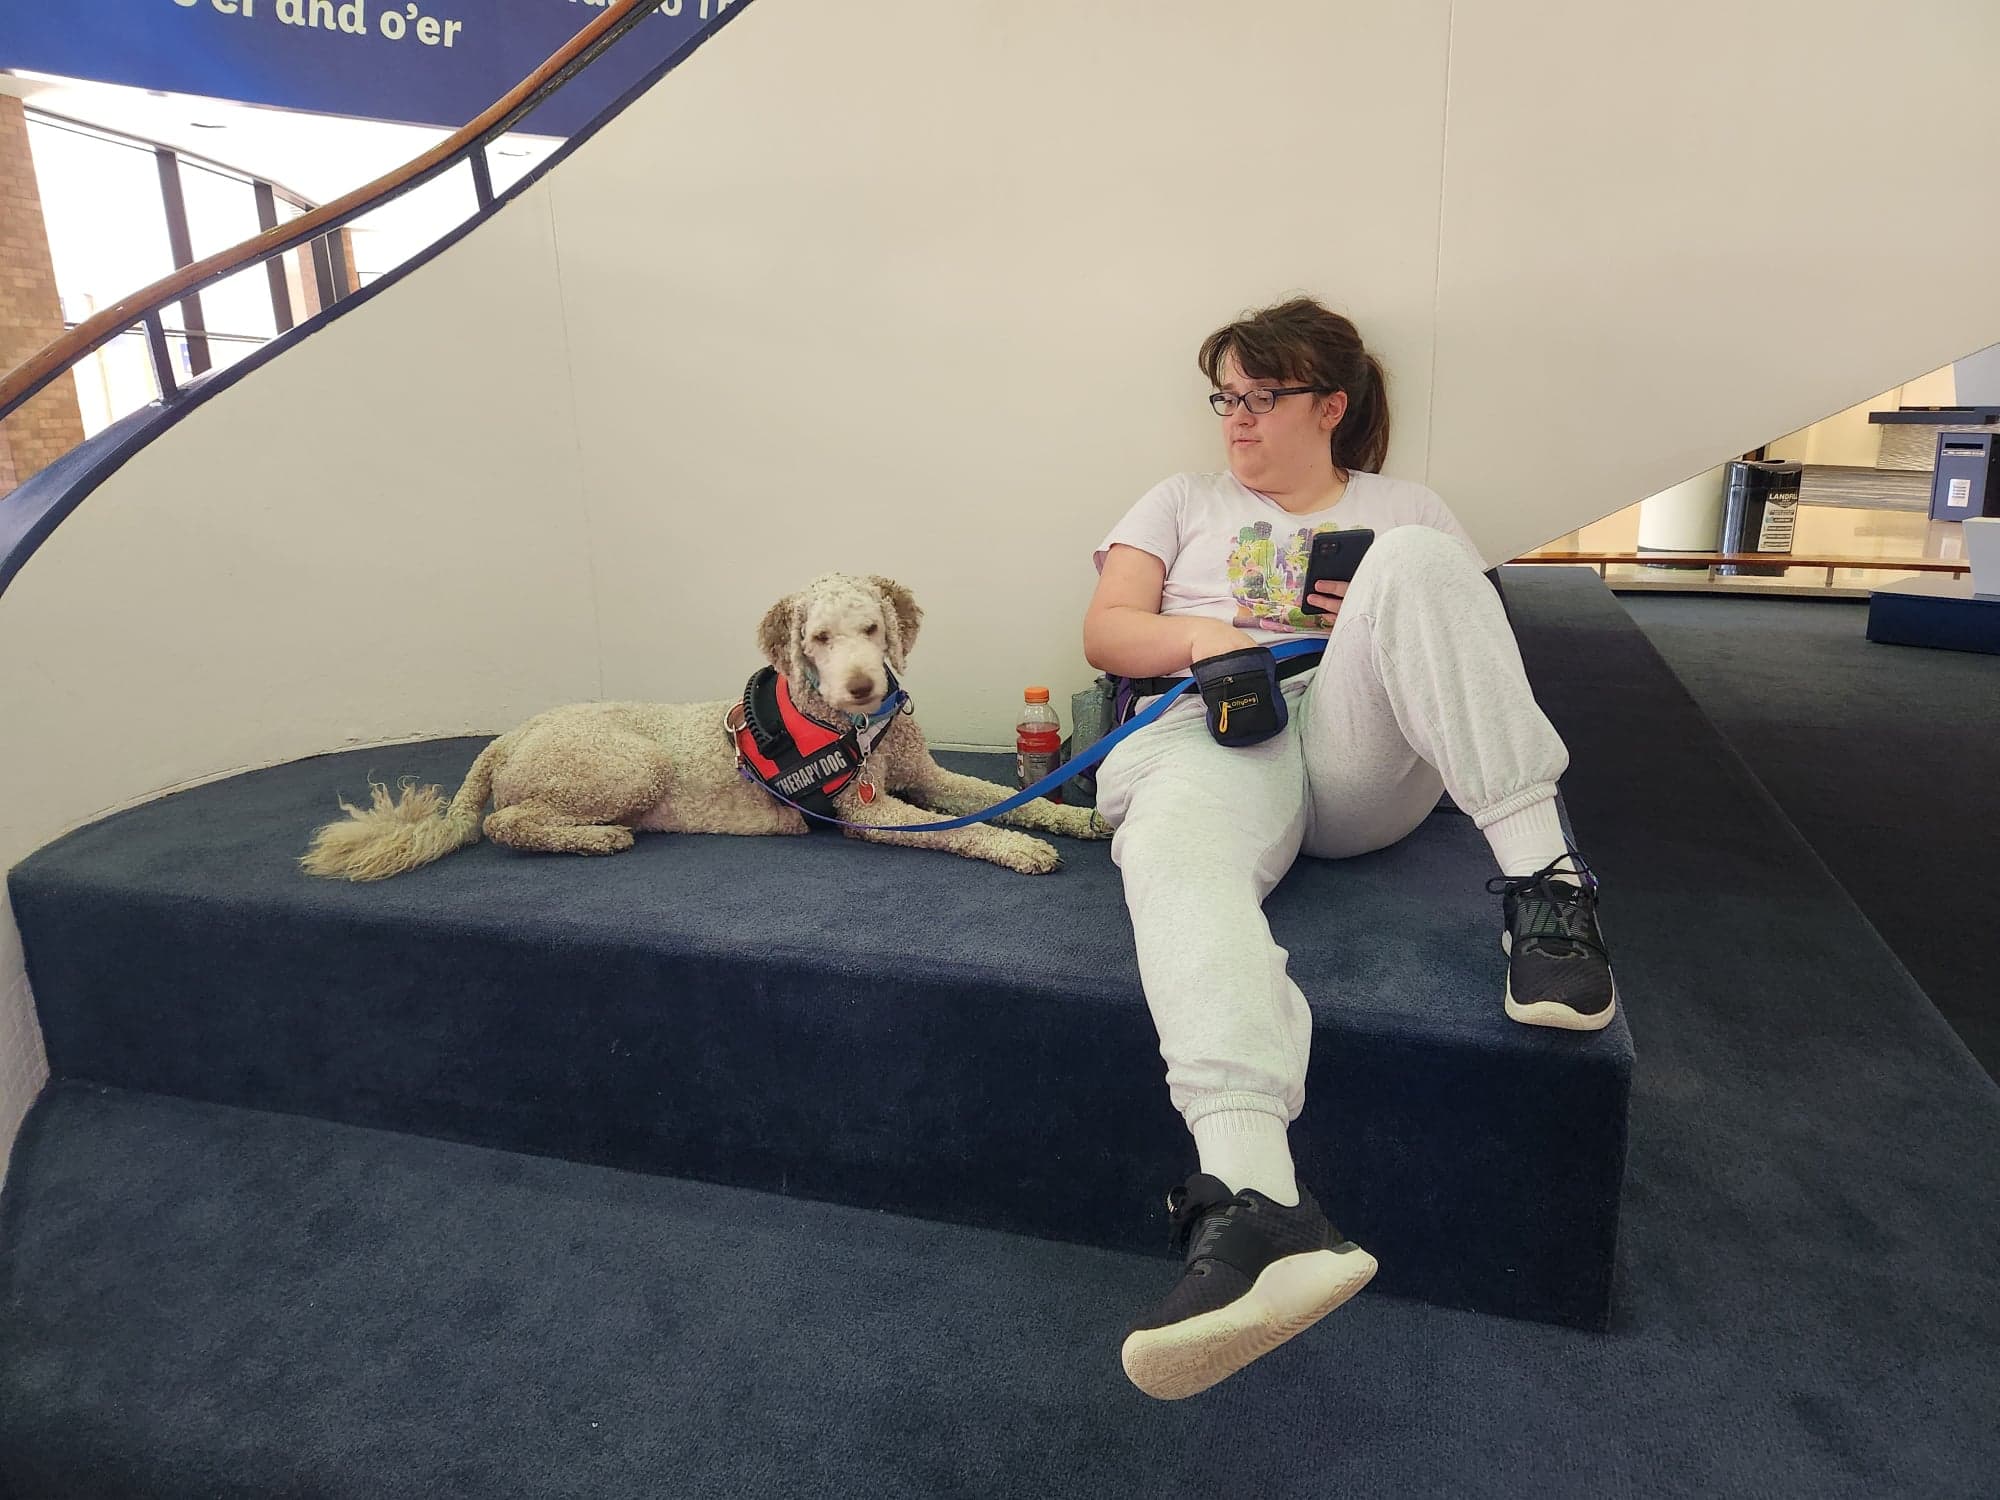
x,y
1334,558
1325,602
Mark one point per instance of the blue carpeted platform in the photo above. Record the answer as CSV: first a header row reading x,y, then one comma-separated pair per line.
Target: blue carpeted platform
x,y
1944,613
888,1028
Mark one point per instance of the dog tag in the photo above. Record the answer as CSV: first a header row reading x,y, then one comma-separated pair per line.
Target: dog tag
x,y
867,792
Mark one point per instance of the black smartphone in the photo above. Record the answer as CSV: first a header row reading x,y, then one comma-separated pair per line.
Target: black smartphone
x,y
1334,557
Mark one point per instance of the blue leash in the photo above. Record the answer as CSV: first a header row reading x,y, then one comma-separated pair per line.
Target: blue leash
x,y
1283,651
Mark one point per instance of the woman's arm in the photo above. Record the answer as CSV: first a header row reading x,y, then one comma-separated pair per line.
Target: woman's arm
x,y
1124,632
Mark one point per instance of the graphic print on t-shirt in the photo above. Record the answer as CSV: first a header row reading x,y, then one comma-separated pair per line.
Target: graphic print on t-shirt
x,y
1266,573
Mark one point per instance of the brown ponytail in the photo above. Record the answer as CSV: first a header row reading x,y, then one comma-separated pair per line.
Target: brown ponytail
x,y
1302,343
1361,441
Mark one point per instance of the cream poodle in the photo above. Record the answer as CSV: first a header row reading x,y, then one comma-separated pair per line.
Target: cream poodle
x,y
584,779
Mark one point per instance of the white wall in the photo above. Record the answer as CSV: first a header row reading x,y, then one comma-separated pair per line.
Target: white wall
x,y
379,535
921,296
1979,377
915,288
1672,232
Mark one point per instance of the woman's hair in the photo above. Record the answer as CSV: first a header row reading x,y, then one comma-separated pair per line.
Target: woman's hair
x,y
1301,343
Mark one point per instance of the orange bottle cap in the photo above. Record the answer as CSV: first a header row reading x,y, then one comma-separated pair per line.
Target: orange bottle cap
x,y
1035,695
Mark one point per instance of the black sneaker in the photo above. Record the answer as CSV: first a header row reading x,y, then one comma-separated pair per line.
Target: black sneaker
x,y
1558,973
1256,1273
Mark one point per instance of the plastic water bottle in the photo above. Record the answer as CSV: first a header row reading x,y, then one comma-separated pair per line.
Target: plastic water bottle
x,y
1037,739
1090,713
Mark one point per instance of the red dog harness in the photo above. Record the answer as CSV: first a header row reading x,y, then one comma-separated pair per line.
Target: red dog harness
x,y
794,756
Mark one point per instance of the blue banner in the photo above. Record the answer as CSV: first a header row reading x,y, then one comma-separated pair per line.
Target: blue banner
x,y
424,62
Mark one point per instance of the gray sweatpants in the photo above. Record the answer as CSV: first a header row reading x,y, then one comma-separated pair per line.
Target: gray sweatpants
x,y
1421,690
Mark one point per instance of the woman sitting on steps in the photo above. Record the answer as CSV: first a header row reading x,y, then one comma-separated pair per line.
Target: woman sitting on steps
x,y
1421,691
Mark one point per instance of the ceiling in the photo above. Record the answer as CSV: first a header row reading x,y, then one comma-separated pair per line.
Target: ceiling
x,y
318,157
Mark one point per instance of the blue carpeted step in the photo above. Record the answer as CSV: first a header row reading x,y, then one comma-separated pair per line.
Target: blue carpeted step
x,y
884,1027
201,1301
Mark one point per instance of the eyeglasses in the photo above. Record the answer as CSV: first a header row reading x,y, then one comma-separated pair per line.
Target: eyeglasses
x,y
1258,401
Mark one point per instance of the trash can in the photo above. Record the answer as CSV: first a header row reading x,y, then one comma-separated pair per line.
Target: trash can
x,y
1967,481
1760,512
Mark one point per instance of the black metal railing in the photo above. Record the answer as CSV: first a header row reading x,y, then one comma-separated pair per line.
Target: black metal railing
x,y
143,308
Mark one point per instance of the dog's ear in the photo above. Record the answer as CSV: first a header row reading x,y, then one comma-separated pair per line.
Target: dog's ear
x,y
778,638
900,609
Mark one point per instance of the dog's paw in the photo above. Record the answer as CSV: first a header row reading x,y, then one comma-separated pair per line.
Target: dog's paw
x,y
611,840
1030,856
1044,816
1082,823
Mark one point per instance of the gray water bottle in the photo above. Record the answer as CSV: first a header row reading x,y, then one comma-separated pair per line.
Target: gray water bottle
x,y
1090,721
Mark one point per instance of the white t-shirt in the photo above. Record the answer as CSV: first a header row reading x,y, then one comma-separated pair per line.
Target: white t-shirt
x,y
1233,554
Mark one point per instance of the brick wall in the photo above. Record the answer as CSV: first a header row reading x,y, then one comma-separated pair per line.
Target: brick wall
x,y
30,312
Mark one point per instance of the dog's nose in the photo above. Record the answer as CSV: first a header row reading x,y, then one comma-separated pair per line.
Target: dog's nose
x,y
859,688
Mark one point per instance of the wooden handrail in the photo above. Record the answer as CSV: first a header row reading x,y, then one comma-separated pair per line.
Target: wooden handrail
x,y
28,378
1761,559
1600,560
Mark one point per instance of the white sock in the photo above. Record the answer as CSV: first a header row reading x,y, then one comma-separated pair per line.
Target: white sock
x,y
1529,840
1247,1148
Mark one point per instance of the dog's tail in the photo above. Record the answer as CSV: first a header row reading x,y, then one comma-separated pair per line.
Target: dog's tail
x,y
389,837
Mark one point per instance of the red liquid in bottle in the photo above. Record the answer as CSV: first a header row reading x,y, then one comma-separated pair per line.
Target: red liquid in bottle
x,y
1037,740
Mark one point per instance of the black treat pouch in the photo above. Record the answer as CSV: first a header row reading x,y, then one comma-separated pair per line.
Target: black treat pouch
x,y
1241,690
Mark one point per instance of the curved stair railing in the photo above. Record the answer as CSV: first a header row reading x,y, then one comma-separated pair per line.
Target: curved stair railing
x,y
1711,560
32,512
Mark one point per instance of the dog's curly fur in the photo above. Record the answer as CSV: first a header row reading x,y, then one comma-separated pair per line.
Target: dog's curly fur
x,y
585,778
